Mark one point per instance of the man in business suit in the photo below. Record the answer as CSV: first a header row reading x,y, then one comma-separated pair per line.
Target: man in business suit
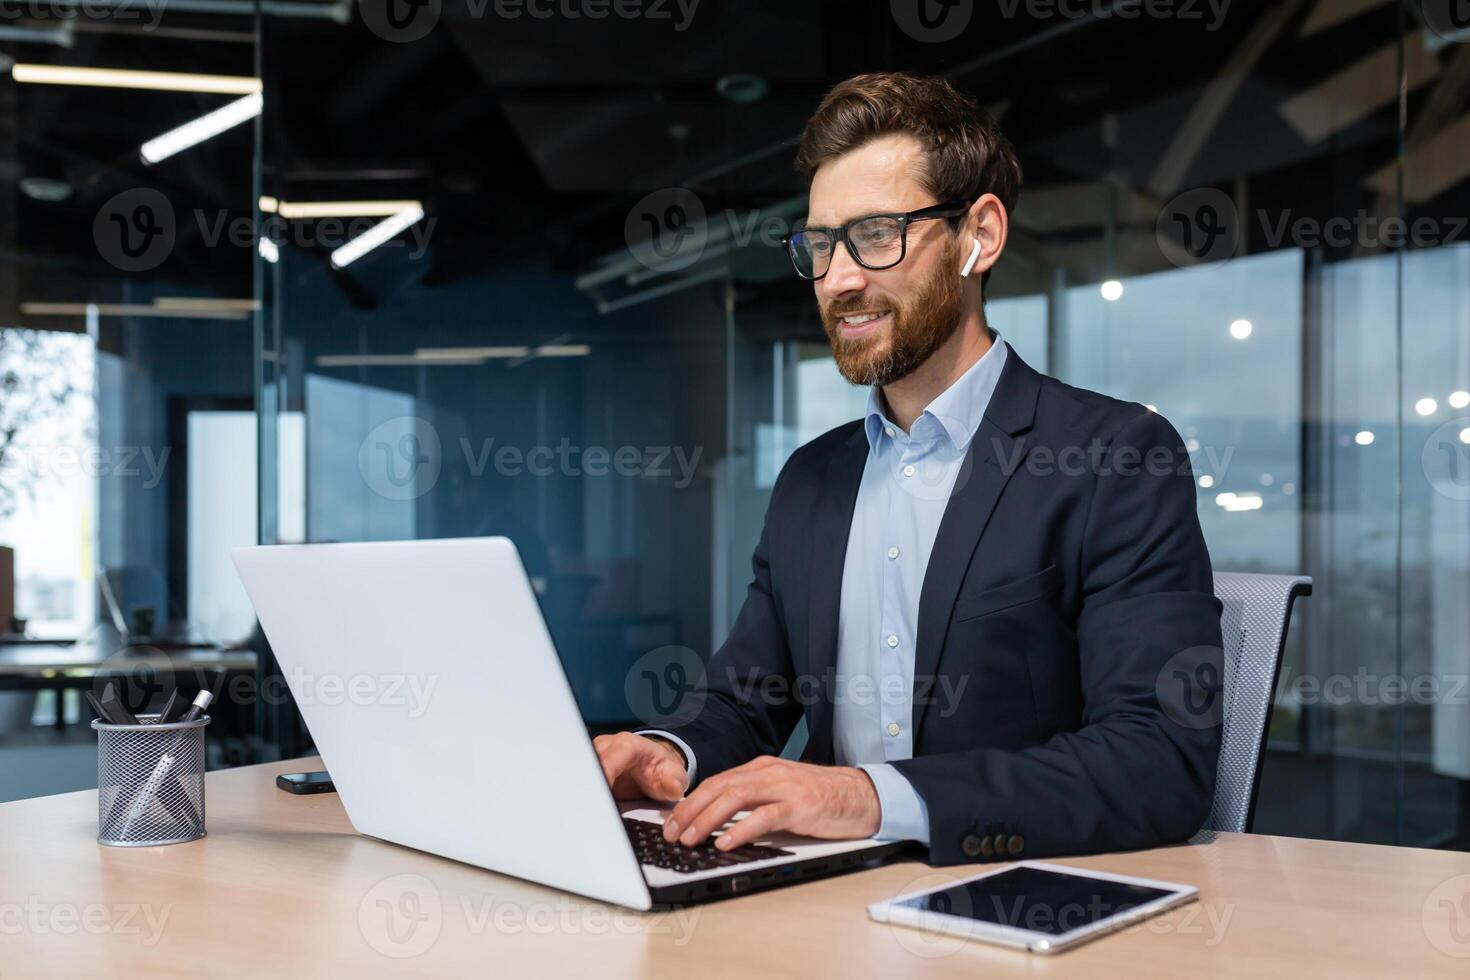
x,y
979,594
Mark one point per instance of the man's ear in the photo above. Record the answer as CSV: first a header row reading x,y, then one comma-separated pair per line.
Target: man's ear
x,y
987,225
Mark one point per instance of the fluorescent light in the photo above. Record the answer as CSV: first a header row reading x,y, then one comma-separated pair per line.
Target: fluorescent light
x,y
270,251
205,303
501,353
206,126
269,204
1459,399
1239,502
388,360
1364,438
375,236
337,209
157,81
131,309
1240,329
1426,406
475,353
1206,481
1111,290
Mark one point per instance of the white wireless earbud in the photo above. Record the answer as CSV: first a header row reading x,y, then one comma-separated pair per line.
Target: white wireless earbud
x,y
969,265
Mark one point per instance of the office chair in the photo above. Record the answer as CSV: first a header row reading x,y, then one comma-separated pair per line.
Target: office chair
x,y
1253,627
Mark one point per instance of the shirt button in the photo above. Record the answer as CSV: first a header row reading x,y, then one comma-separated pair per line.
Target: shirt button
x,y
893,728
888,429
908,470
892,640
893,552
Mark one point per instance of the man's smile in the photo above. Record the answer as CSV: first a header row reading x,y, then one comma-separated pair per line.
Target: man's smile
x,y
852,325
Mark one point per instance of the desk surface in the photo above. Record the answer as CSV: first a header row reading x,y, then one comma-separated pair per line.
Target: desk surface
x,y
282,886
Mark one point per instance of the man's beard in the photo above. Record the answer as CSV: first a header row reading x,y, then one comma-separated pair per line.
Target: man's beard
x,y
919,326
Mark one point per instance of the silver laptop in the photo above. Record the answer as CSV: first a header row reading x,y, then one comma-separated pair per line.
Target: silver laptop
x,y
435,696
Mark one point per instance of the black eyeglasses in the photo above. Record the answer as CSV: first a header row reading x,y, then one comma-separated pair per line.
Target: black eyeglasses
x,y
875,241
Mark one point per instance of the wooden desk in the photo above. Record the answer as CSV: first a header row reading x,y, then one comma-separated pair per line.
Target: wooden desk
x,y
283,887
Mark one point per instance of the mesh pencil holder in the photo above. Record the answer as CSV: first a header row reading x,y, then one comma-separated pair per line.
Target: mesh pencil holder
x,y
150,782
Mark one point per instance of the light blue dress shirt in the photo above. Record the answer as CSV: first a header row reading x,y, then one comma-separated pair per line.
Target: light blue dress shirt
x,y
906,485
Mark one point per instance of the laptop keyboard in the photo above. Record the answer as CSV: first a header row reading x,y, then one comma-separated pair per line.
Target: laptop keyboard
x,y
651,848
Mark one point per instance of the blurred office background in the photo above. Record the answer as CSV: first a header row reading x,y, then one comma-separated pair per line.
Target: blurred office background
x,y
583,335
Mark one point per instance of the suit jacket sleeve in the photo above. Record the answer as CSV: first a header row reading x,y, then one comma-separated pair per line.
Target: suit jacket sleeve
x,y
1140,771
743,707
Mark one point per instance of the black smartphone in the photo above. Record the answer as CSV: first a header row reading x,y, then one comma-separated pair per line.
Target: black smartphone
x,y
305,782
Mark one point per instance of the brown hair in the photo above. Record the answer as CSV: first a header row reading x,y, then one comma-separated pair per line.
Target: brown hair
x,y
968,155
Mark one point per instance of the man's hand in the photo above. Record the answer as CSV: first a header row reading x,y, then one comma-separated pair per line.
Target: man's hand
x,y
833,802
637,767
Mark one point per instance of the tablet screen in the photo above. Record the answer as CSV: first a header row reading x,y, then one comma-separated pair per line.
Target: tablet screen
x,y
1036,900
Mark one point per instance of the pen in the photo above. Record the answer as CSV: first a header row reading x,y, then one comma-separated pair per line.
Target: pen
x,y
165,765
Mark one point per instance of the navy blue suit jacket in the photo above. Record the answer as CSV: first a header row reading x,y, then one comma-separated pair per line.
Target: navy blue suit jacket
x,y
1068,587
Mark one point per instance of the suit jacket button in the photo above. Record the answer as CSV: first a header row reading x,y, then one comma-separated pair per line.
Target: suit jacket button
x,y
1015,844
987,847
970,845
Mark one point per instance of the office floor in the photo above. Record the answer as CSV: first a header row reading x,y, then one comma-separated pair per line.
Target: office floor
x,y
36,759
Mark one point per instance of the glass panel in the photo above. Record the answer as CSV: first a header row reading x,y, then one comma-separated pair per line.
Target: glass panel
x,y
126,284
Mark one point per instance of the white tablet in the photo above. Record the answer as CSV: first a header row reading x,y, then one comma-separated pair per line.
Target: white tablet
x,y
1044,908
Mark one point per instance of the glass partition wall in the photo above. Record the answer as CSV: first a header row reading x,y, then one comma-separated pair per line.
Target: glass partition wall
x,y
576,328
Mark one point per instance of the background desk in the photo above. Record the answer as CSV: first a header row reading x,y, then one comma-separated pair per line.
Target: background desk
x,y
283,887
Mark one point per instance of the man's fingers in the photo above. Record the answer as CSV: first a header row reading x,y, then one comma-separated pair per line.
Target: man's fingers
x,y
659,777
713,817
760,822
688,809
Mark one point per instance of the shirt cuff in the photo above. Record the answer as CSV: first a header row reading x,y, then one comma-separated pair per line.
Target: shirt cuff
x,y
690,763
904,815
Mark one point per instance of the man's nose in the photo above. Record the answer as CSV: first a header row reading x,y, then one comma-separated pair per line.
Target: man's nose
x,y
844,275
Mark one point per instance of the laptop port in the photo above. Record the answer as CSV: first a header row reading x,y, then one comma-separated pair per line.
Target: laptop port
x,y
740,883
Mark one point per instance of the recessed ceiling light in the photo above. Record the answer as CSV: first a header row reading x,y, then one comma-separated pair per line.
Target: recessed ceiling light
x,y
1111,290
1426,406
45,189
1459,399
1241,329
742,88
1364,438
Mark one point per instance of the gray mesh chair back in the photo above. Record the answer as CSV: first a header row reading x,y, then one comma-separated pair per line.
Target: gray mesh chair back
x,y
1253,626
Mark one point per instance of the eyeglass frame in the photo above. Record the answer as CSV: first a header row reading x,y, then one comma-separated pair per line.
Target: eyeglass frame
x,y
947,209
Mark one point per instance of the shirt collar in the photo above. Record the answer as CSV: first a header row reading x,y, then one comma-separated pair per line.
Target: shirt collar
x,y
957,410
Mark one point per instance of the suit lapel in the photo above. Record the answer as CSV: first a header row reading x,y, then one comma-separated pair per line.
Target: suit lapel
x,y
996,451
835,501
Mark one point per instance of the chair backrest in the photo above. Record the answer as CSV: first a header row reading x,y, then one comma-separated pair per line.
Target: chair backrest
x,y
1253,627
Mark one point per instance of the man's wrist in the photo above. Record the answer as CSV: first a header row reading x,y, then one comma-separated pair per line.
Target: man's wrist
x,y
872,804
677,752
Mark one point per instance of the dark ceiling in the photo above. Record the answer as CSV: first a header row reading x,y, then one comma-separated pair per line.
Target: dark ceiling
x,y
533,137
